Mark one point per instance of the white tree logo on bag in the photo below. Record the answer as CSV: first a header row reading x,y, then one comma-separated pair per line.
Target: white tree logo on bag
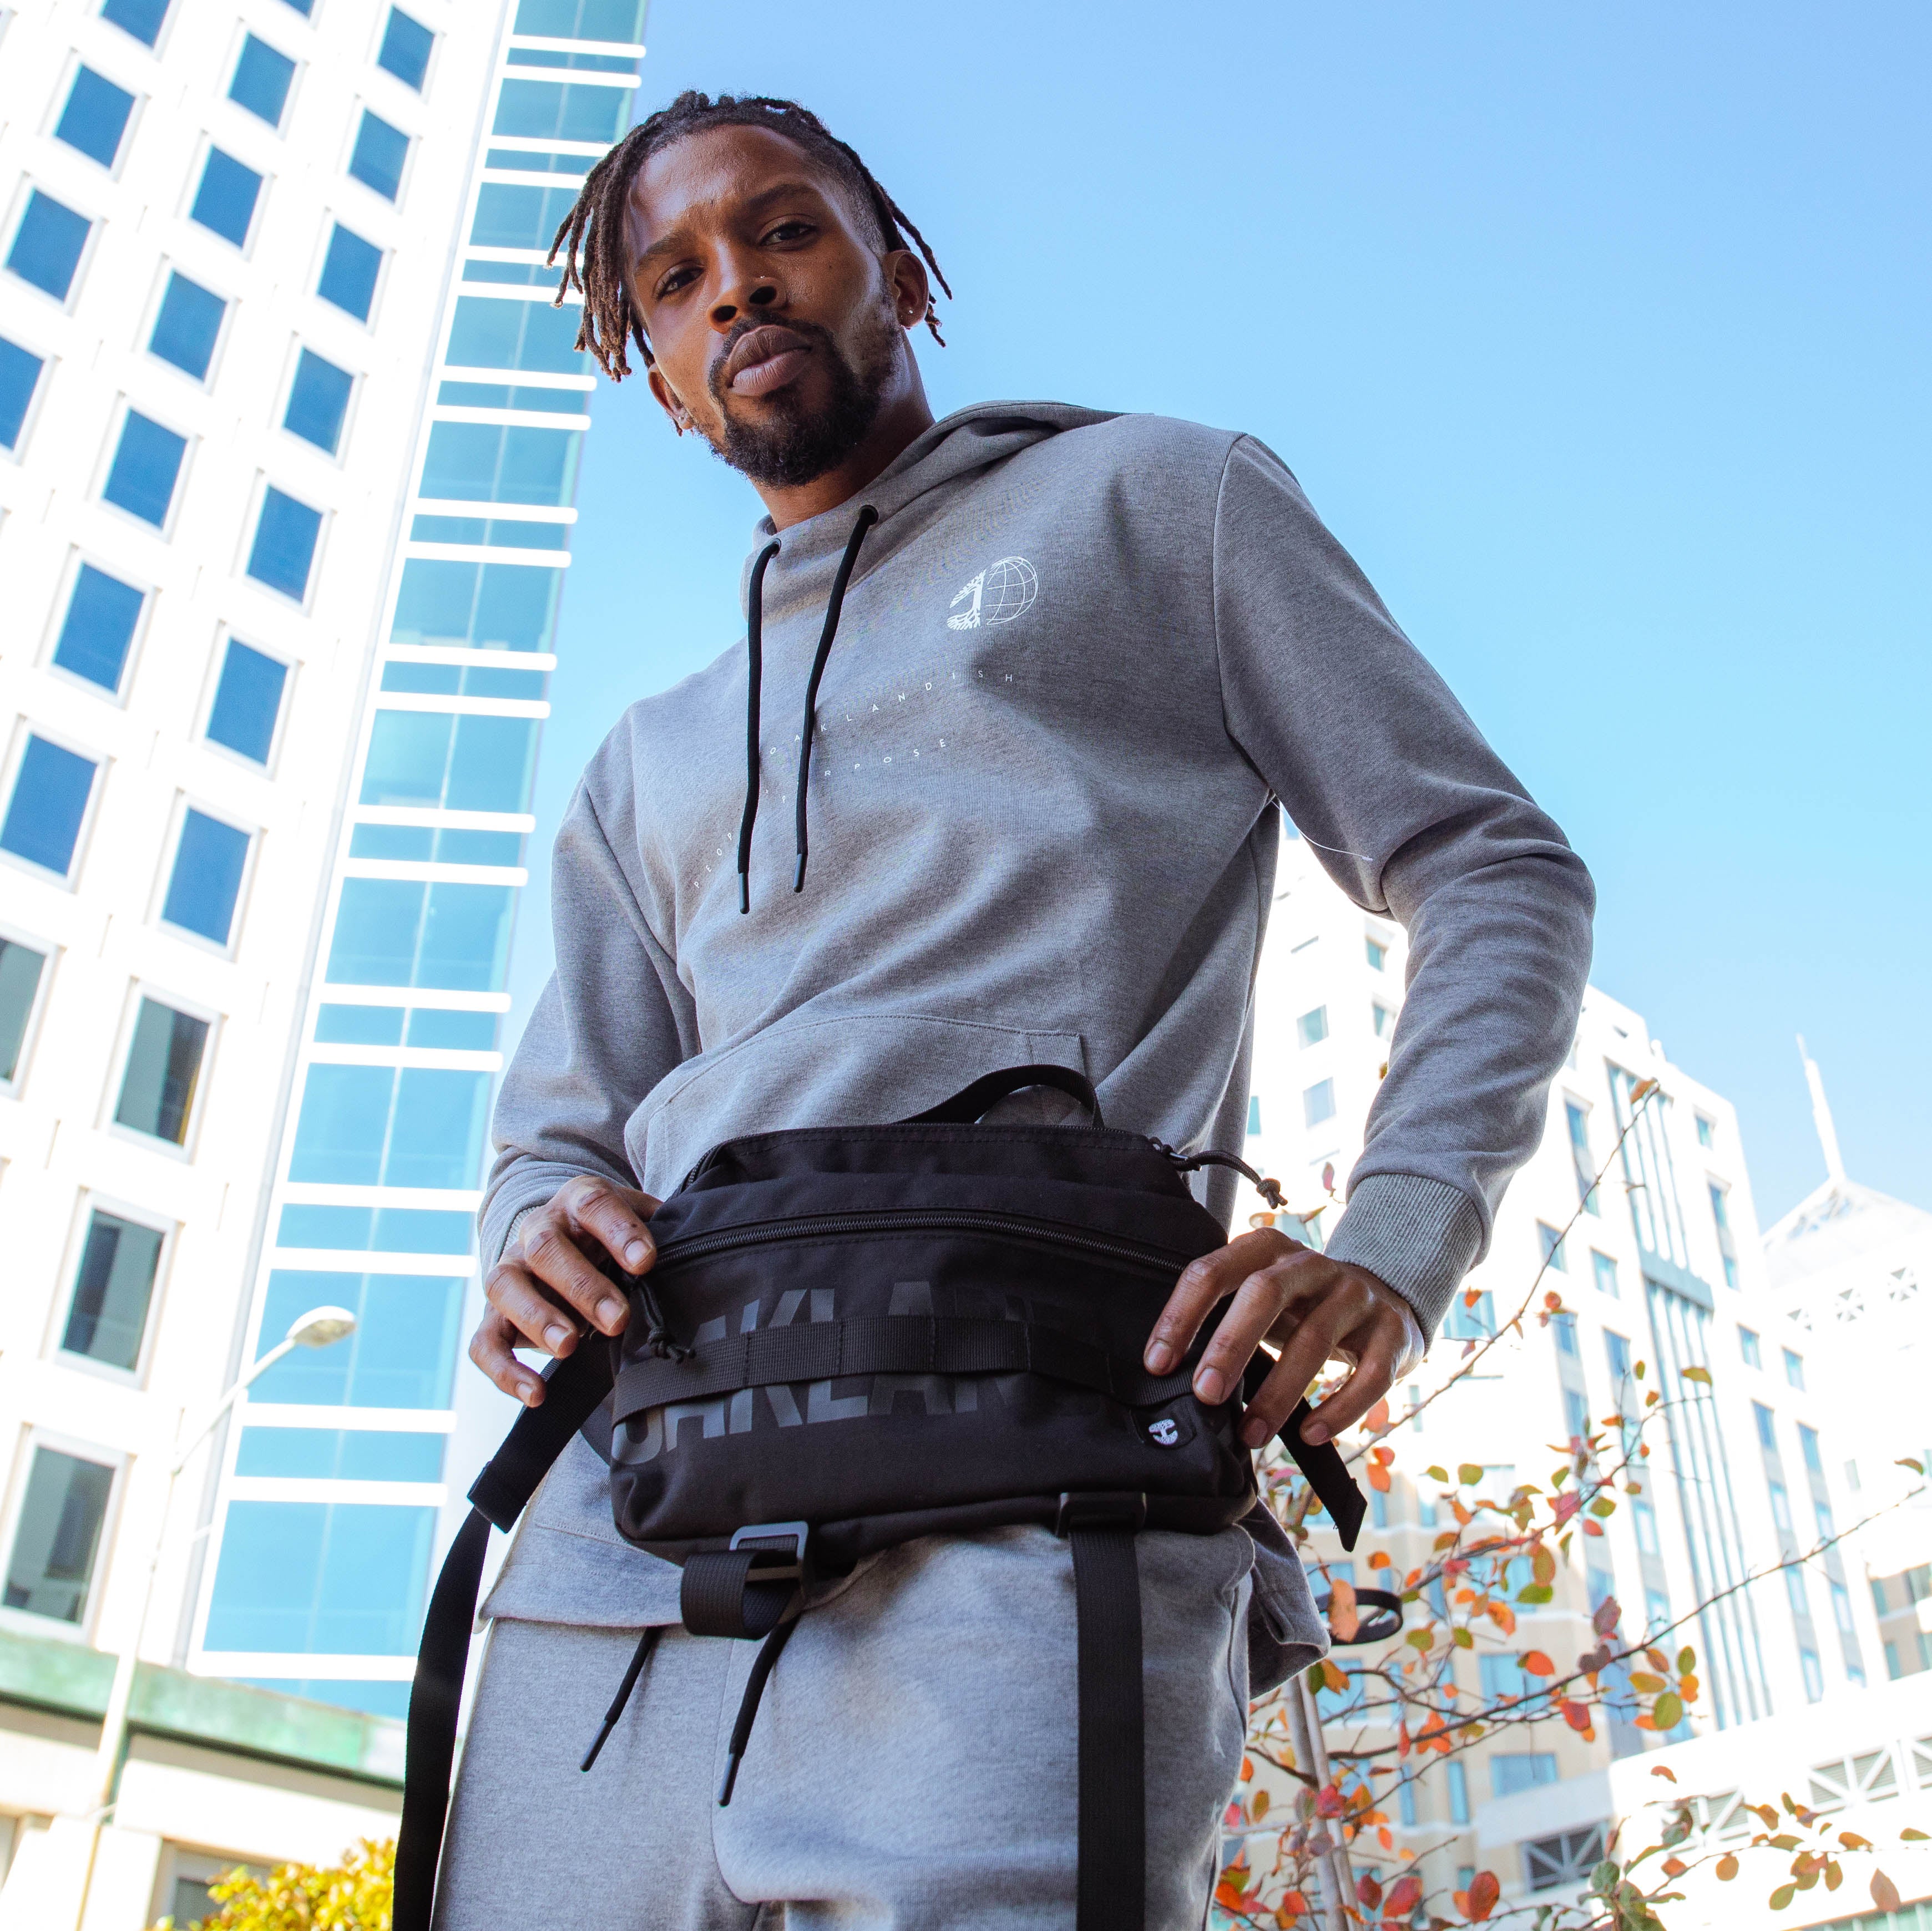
x,y
1001,592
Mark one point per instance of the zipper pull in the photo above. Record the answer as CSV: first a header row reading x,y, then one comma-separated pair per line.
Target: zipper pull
x,y
1188,1163
657,1341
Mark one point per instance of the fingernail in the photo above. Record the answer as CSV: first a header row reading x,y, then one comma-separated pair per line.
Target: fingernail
x,y
610,1312
1211,1386
555,1336
1160,1358
1315,1434
1255,1432
634,1254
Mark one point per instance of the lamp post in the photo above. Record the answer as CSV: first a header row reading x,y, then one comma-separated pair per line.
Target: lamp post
x,y
320,1327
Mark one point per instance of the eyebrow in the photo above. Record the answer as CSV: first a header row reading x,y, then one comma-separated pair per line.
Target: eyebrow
x,y
676,241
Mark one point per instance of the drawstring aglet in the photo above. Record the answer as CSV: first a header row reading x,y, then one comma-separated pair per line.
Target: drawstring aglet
x,y
744,891
646,1643
798,876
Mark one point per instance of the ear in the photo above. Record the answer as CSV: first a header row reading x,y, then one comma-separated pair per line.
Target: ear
x,y
667,399
906,286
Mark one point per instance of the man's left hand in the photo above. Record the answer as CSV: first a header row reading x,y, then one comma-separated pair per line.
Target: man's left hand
x,y
1312,1308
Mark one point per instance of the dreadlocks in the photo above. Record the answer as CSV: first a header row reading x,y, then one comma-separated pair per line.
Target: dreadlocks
x,y
591,235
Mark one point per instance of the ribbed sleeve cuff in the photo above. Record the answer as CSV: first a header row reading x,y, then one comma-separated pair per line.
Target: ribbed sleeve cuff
x,y
1421,1236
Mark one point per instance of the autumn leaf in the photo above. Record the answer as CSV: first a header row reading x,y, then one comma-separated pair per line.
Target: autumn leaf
x,y
1727,1867
1468,1474
1328,1802
1247,1770
1377,1419
1645,1684
1783,1896
1404,1895
1643,1090
1663,1769
1686,1660
1693,1373
1577,1716
1667,1712
1344,1619
1258,1805
1333,1679
1482,1895
1675,1867
1536,1664
1605,1620
1884,1892
1368,1891
1436,1473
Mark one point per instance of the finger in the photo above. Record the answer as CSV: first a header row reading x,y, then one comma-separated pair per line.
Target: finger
x,y
1372,1377
550,1255
1203,1285
521,1304
1255,1307
489,1349
609,1216
1306,1351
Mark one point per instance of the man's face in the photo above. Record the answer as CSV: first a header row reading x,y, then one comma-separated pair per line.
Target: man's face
x,y
777,328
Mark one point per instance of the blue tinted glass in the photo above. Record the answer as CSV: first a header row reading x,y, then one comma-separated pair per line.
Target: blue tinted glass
x,y
19,373
247,701
146,464
345,1116
107,1316
406,46
351,1229
408,757
225,202
318,401
340,1454
98,627
554,109
188,325
481,606
396,932
436,1139
509,216
377,926
261,82
305,8
284,546
50,794
348,272
20,970
360,1025
1526,1770
499,332
208,864
466,939
465,763
411,842
461,847
95,116
436,680
374,1699
141,18
401,1356
380,152
453,1032
163,1068
47,244
492,534
620,20
391,1229
308,1576
478,462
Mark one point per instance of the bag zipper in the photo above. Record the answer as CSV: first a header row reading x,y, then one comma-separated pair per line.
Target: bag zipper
x,y
922,1220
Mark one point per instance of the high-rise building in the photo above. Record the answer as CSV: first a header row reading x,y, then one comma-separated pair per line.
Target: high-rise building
x,y
288,437
1657,1263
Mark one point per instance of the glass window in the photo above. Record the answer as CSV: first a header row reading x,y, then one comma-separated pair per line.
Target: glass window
x,y
387,1230
1605,1270
1385,1019
209,861
406,49
1254,1114
1503,1676
402,932
163,1069
305,8
1814,1677
108,1316
1579,1123
141,18
20,969
453,1032
510,217
1807,1443
489,332
1767,1426
1550,1243
1748,1348
380,153
1378,953
187,326
20,377
1312,1028
1513,1770
1707,1131
477,606
98,630
415,1127
1576,1414
339,1455
1794,1368
620,20
247,701
47,244
1317,1102
1459,1791
50,794
1466,1323
348,272
321,1576
402,1354
286,534
1781,1508
1563,1325
359,1025
95,116
225,202
555,109
1727,1246
461,764
262,80
1617,1351
1643,1519
147,463
491,462
318,401
58,1535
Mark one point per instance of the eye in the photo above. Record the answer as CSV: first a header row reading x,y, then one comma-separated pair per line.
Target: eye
x,y
669,284
787,230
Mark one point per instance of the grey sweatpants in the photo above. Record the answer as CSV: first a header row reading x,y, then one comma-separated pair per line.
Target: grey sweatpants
x,y
913,1764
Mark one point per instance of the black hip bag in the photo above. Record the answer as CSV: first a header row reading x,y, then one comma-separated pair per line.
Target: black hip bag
x,y
854,1336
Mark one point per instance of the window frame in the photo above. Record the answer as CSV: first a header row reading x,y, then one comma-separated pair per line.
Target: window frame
x,y
163,531
50,950
139,989
90,1201
184,803
244,33
191,192
152,315
380,33
225,635
331,220
31,1440
17,453
25,728
251,524
64,93
162,33
70,577
17,213
285,393
412,140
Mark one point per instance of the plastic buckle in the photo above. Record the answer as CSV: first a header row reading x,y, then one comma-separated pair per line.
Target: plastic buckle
x,y
767,1541
1099,1510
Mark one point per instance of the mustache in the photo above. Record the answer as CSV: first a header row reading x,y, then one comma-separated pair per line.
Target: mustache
x,y
814,332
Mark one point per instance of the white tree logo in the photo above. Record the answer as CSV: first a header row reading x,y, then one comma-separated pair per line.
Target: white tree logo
x,y
1001,592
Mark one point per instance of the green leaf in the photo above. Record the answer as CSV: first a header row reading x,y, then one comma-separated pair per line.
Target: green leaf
x,y
1535,1592
1667,1712
1468,1474
1461,1639
1603,1878
1602,1505
1436,1473
1695,1374
1783,1896
1687,1661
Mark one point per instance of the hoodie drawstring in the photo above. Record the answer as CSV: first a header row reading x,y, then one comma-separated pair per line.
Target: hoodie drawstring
x,y
754,647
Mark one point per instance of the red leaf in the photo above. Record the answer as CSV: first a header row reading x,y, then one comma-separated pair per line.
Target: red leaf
x,y
1328,1801
1536,1664
1483,1893
1884,1892
1404,1895
1575,1714
1368,1891
1605,1620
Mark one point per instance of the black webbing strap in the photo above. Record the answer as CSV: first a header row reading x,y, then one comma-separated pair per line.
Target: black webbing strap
x,y
966,1105
1110,1886
573,1388
892,1344
1326,1473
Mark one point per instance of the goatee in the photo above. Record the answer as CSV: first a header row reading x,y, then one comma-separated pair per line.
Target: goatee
x,y
791,445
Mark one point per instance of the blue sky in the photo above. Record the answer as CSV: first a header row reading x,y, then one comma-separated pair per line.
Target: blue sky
x,y
1599,336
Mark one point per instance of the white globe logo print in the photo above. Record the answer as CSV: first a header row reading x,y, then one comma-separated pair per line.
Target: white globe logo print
x,y
1001,592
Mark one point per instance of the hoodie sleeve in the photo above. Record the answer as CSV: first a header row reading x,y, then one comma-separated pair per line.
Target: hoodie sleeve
x,y
605,1031
1413,816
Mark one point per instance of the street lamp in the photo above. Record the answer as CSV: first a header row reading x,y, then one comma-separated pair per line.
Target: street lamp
x,y
320,1327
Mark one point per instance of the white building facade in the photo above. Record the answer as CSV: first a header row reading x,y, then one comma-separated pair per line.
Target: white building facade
x,y
289,436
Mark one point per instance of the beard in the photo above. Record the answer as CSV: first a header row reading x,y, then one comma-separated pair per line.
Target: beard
x,y
793,444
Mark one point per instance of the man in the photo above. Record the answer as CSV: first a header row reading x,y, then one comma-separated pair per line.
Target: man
x,y
1052,670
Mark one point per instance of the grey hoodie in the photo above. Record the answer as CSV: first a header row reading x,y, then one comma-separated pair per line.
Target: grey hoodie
x,y
1080,658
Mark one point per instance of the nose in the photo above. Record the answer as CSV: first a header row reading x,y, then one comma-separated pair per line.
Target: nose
x,y
759,296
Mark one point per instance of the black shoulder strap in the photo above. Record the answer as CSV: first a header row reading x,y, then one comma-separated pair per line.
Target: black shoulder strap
x,y
1327,1474
967,1105
573,1388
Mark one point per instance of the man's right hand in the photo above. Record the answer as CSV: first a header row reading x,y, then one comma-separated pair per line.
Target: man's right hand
x,y
543,1286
